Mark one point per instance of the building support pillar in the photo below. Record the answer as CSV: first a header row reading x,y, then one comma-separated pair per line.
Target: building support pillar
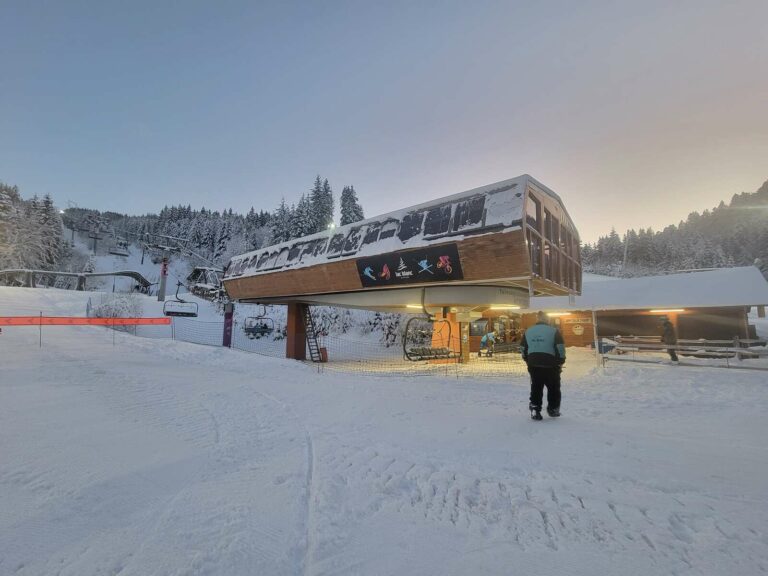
x,y
296,332
594,333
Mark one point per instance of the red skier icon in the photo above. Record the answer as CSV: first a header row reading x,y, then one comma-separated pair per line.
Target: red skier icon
x,y
444,262
385,272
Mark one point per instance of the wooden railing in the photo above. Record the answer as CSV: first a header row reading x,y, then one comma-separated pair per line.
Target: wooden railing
x,y
639,348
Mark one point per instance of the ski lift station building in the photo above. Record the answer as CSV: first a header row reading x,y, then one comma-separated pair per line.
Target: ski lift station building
x,y
492,247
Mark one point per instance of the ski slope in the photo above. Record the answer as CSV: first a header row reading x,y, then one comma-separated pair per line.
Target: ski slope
x,y
161,457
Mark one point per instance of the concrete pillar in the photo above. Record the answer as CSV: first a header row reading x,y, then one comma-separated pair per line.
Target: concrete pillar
x,y
442,337
464,331
30,280
296,333
761,311
81,283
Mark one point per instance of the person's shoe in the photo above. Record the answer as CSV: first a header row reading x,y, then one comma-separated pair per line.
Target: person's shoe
x,y
553,412
536,414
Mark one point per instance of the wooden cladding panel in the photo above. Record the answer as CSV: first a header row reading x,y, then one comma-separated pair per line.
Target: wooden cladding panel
x,y
487,257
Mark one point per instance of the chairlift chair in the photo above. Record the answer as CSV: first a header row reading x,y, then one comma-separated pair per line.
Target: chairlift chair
x,y
119,249
179,307
418,338
258,326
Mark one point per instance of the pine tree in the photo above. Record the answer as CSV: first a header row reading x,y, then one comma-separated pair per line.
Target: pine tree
x,y
279,225
302,221
351,211
325,216
316,200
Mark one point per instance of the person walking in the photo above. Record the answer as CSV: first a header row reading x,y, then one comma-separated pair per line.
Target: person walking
x,y
487,342
543,350
670,338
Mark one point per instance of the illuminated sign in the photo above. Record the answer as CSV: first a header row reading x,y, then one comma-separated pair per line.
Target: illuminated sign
x,y
428,264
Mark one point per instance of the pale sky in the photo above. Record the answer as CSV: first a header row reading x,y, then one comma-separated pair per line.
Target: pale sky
x,y
636,113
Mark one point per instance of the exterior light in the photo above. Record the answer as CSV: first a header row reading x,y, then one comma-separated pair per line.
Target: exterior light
x,y
331,226
555,314
505,307
418,306
664,311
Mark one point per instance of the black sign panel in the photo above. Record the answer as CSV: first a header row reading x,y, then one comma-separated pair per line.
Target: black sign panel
x,y
428,264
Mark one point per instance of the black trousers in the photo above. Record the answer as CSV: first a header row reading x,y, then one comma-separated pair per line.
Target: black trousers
x,y
549,377
672,354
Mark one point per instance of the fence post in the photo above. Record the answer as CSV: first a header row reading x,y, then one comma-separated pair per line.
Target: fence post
x,y
41,329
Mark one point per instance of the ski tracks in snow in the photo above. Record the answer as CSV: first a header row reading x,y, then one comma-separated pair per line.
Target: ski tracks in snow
x,y
558,510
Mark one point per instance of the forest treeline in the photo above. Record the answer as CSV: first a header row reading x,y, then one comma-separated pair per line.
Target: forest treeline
x,y
733,234
31,232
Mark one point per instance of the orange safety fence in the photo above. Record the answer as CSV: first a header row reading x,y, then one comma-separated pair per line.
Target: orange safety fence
x,y
78,321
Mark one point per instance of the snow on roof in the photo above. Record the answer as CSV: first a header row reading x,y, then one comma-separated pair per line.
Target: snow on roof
x,y
743,286
492,208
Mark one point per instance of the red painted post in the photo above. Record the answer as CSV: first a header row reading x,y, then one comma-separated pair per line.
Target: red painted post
x,y
296,333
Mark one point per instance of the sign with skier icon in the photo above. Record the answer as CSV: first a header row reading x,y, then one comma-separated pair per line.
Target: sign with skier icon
x,y
428,264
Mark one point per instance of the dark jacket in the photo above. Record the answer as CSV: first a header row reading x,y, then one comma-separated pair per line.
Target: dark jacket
x,y
542,346
669,336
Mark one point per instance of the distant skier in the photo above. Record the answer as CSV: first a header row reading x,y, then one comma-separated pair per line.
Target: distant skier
x,y
487,342
669,337
543,350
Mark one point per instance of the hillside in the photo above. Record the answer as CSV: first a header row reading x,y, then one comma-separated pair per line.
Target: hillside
x,y
733,234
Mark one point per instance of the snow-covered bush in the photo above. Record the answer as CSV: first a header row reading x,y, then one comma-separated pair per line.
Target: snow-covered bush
x,y
118,306
387,325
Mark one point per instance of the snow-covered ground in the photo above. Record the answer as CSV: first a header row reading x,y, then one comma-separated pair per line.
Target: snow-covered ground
x,y
162,457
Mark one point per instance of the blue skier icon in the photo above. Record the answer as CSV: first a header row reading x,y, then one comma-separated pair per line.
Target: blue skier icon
x,y
369,272
424,266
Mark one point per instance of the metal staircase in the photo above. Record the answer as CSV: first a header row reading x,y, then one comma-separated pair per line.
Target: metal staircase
x,y
312,344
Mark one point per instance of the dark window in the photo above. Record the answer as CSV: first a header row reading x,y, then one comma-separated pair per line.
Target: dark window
x,y
563,239
262,260
533,212
295,250
410,226
534,250
389,229
469,213
335,246
438,220
309,249
353,240
281,258
271,261
320,246
478,327
555,272
548,260
547,225
372,233
555,232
